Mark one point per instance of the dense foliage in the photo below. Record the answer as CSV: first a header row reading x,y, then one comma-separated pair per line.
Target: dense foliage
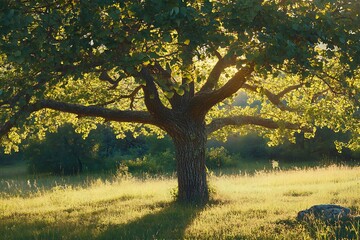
x,y
174,66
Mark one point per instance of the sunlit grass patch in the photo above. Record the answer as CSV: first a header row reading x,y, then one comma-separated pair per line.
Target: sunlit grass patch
x,y
259,206
82,212
295,193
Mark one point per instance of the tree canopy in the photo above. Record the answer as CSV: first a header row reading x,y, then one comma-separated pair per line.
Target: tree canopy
x,y
177,66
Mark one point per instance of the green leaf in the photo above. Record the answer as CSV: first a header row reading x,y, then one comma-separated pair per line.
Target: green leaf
x,y
183,11
174,11
17,53
169,94
168,68
167,37
295,26
11,13
180,91
342,39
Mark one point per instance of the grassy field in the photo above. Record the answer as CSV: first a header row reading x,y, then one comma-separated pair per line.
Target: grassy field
x,y
259,206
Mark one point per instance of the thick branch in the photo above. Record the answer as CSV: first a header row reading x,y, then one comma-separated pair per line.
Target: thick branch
x,y
151,95
167,80
95,111
203,101
84,111
215,73
239,121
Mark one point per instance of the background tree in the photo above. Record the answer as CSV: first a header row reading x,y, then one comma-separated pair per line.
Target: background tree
x,y
174,66
66,152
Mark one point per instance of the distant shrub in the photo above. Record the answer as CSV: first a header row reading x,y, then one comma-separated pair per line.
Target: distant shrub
x,y
165,160
66,152
218,157
155,145
250,146
162,162
122,172
7,159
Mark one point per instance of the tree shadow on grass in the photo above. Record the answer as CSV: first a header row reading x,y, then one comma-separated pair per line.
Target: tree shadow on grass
x,y
165,221
168,223
348,229
317,229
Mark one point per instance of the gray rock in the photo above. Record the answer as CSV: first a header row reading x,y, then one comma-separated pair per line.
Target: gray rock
x,y
325,212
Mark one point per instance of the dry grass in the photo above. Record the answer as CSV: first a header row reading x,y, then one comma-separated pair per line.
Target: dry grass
x,y
262,206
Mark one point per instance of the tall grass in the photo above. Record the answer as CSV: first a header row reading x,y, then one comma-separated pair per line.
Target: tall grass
x,y
258,206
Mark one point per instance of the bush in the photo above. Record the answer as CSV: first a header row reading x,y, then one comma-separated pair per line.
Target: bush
x,y
162,162
250,146
156,145
219,157
66,152
63,152
7,159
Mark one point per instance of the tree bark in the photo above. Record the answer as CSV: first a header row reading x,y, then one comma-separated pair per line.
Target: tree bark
x,y
190,145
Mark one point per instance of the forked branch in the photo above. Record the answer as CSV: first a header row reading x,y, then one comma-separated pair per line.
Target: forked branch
x,y
215,73
104,76
275,99
165,81
204,101
130,96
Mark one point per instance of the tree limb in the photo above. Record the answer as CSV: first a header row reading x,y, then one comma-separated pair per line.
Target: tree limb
x,y
289,89
318,95
275,98
81,110
203,101
238,121
104,76
151,96
131,96
95,111
215,73
165,76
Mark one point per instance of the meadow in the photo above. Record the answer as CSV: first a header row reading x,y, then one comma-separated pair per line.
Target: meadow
x,y
262,205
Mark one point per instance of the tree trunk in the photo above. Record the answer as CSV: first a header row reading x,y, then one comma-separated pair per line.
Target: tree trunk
x,y
190,157
80,165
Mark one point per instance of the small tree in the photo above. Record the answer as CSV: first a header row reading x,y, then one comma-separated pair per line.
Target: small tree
x,y
175,66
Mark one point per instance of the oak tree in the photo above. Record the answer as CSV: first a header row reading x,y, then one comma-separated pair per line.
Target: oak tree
x,y
176,67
